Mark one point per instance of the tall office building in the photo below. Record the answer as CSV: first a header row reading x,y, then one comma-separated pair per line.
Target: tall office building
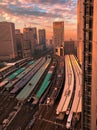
x,y
94,69
80,23
42,38
70,47
58,33
58,37
8,49
30,33
19,43
30,39
89,101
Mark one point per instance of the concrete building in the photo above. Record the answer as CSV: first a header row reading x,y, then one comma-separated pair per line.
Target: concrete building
x,y
59,51
42,37
58,36
94,69
30,37
51,42
8,49
30,33
19,43
80,23
70,47
58,33
17,31
89,101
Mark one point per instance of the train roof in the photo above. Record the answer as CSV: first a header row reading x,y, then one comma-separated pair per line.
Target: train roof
x,y
5,68
26,91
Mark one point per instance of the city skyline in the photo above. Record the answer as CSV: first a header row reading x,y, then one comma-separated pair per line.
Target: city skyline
x,y
48,59
41,14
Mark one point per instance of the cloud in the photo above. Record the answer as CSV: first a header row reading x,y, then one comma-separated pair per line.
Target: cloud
x,y
39,12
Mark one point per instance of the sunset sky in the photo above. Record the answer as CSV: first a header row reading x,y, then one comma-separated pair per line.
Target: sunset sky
x,y
41,14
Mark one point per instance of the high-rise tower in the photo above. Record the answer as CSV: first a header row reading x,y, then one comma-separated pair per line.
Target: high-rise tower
x,y
80,23
89,102
30,39
8,49
42,37
58,35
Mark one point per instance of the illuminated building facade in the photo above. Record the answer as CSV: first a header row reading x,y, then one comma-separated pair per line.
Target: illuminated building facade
x,y
80,23
58,37
42,38
8,49
30,40
89,101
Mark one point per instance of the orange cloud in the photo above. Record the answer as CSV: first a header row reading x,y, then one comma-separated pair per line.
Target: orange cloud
x,y
40,14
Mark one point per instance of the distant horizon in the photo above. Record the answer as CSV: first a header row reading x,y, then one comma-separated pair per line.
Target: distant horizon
x,y
41,14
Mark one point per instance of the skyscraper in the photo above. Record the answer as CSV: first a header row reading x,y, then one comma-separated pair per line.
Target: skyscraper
x,y
30,38
7,41
58,35
30,33
89,102
19,43
94,68
42,38
80,23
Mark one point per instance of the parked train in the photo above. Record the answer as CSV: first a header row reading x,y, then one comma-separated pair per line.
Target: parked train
x,y
46,82
18,86
11,67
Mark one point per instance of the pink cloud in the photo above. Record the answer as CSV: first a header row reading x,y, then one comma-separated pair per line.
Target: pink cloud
x,y
39,13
